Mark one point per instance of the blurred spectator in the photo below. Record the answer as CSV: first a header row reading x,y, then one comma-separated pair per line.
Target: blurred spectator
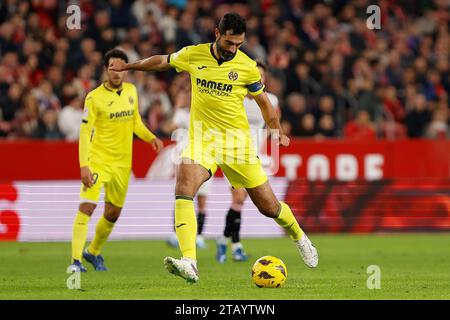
x,y
392,104
286,126
254,48
151,90
418,118
129,50
307,126
186,34
433,89
28,117
325,107
121,16
56,77
84,82
7,43
106,39
181,117
141,8
361,128
168,24
45,96
156,120
314,49
368,100
69,119
47,127
326,126
294,110
301,81
98,24
438,127
9,105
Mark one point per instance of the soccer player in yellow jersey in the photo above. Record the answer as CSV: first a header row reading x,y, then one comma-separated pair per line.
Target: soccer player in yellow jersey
x,y
219,136
111,117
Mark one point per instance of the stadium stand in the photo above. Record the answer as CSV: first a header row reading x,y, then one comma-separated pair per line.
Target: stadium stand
x,y
333,76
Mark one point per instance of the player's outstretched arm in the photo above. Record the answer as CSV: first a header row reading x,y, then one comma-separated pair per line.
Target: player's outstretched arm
x,y
270,117
153,63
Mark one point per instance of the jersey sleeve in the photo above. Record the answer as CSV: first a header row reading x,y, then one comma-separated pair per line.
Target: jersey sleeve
x,y
87,125
253,83
139,127
180,59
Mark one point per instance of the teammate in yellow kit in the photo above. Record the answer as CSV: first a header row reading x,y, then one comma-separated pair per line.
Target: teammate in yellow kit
x,y
111,117
219,136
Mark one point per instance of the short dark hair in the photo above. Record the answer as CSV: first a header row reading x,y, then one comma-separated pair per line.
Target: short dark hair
x,y
234,22
261,64
114,53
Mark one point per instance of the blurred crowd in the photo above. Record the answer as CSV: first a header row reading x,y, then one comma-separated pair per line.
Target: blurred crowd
x,y
334,76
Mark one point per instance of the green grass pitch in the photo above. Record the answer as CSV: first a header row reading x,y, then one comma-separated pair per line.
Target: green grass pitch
x,y
413,266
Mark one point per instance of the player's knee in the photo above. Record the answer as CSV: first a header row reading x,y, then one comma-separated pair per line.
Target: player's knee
x,y
112,213
185,189
112,217
239,202
240,198
270,210
201,202
87,208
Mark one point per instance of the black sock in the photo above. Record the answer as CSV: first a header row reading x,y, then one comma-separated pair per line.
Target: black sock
x,y
200,222
233,225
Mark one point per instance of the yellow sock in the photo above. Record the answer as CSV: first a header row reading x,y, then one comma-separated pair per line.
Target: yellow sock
x,y
287,220
186,226
102,232
80,230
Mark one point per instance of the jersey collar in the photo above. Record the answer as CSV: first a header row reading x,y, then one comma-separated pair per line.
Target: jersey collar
x,y
118,90
220,60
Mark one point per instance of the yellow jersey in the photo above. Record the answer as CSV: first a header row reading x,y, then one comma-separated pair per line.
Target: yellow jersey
x,y
218,91
110,118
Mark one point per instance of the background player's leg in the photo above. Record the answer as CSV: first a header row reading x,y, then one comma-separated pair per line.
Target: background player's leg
x,y
80,229
189,178
233,226
233,218
104,228
201,212
201,216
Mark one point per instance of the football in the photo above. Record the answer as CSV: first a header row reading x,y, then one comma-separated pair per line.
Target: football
x,y
269,272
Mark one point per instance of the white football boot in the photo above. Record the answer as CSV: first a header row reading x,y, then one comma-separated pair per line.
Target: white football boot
x,y
307,251
184,267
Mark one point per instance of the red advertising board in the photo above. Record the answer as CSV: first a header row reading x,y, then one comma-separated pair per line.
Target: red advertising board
x,y
332,186
371,206
314,160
